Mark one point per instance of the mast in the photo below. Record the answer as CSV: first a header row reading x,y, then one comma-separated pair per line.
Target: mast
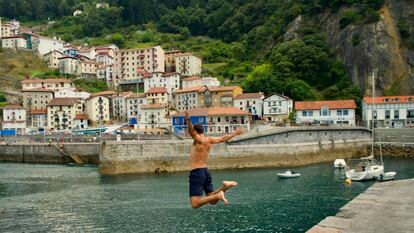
x,y
372,113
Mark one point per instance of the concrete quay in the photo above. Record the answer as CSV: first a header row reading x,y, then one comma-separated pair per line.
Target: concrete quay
x,y
382,208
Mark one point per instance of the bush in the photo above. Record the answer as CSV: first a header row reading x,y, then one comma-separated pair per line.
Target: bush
x,y
349,17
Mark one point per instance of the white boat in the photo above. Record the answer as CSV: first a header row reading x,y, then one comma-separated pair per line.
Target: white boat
x,y
339,163
387,176
288,174
367,168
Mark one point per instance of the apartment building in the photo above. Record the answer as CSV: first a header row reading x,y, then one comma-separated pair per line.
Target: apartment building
x,y
389,111
98,109
192,97
87,69
251,103
133,106
119,106
14,118
38,119
53,84
194,81
153,117
187,64
36,99
43,45
170,60
52,59
169,81
128,63
70,93
13,42
61,113
105,73
8,29
157,95
223,96
68,65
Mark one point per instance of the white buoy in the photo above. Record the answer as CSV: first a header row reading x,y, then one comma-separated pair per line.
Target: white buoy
x,y
339,163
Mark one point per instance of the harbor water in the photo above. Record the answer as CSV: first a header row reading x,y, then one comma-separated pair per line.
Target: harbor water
x,y
59,198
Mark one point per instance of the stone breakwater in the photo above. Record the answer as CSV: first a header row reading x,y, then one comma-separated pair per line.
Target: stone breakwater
x,y
384,207
170,156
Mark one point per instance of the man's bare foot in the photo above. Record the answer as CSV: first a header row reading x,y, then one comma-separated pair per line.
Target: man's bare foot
x,y
222,197
229,184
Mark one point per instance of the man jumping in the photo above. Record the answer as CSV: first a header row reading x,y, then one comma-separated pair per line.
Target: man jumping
x,y
200,178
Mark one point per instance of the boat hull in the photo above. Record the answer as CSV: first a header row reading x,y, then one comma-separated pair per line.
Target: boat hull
x,y
373,172
285,176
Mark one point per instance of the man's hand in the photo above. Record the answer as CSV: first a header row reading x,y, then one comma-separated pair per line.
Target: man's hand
x,y
239,131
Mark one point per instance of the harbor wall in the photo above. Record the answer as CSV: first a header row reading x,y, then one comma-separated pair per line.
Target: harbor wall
x,y
48,152
395,135
169,156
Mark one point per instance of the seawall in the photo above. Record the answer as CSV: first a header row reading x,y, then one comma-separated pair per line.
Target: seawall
x,y
48,152
384,207
168,156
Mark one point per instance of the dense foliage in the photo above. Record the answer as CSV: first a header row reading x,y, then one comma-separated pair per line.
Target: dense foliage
x,y
248,46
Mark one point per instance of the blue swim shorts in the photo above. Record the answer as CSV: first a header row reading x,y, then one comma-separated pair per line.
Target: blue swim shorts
x,y
200,180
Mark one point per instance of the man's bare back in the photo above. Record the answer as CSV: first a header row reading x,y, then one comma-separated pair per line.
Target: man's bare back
x,y
200,178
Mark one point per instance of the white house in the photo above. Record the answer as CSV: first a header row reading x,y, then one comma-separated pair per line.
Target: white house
x,y
43,45
14,118
251,103
104,58
157,95
334,112
187,64
61,113
81,121
119,106
38,118
52,59
169,81
134,103
194,81
153,117
87,69
36,99
68,65
14,42
97,109
104,73
70,93
276,108
191,97
53,84
389,111
8,29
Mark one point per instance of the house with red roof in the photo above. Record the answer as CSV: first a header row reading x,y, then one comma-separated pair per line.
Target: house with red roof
x,y
277,108
250,102
215,120
389,111
14,118
330,112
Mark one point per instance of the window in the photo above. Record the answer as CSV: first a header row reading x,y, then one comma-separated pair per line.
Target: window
x,y
410,113
325,111
345,112
396,114
339,112
218,119
304,113
387,114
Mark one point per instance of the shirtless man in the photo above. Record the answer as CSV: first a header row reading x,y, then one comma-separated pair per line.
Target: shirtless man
x,y
200,178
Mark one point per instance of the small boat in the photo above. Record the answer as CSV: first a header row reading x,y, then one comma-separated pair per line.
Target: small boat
x,y
386,176
339,163
288,174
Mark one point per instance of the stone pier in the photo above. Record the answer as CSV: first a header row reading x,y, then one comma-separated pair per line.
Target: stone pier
x,y
383,208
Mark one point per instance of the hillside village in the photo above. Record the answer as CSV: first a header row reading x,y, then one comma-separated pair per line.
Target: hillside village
x,y
153,88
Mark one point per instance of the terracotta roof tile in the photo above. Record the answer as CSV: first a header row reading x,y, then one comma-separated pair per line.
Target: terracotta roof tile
x,y
331,104
136,95
156,90
63,101
192,89
13,106
38,112
390,99
223,88
104,93
170,74
81,117
257,95
192,78
48,80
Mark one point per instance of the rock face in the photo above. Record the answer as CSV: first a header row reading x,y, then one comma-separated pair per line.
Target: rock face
x,y
376,47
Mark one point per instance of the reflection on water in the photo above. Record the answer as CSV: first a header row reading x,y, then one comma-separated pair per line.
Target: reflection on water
x,y
39,198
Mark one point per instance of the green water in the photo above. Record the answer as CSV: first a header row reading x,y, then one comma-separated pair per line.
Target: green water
x,y
54,198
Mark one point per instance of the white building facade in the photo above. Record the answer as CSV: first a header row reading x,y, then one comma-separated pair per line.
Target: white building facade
x,y
389,111
335,112
14,118
14,42
52,59
43,45
277,108
251,103
187,64
97,109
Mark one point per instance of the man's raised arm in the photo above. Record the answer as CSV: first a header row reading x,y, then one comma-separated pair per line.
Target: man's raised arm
x,y
227,137
190,128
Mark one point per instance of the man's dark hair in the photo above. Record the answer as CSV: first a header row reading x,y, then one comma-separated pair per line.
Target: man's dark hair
x,y
199,128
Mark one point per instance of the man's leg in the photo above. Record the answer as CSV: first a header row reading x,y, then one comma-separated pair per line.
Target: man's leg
x,y
199,201
226,186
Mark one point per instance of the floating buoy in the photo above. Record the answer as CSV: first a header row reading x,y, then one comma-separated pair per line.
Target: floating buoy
x,y
348,181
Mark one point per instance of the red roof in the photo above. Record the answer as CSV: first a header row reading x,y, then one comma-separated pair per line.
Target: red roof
x,y
104,93
214,111
81,117
224,88
13,37
156,90
63,101
390,99
13,106
136,95
38,112
257,95
192,89
192,78
48,80
332,104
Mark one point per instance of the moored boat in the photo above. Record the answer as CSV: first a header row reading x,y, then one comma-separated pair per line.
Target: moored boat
x,y
288,174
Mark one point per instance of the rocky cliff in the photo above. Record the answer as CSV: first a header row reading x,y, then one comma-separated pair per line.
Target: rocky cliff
x,y
377,47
